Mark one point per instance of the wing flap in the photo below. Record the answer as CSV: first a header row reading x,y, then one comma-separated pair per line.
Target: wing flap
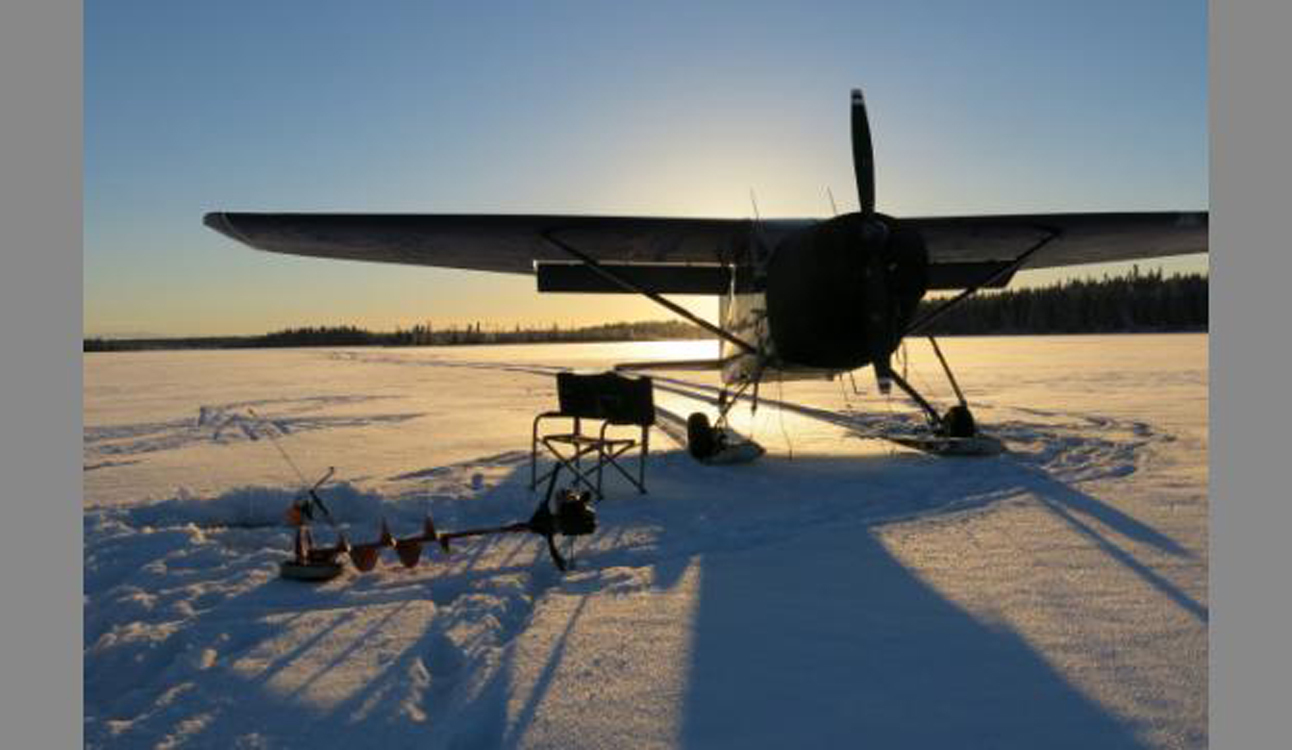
x,y
659,278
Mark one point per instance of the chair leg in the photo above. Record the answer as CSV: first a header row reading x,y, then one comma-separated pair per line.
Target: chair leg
x,y
533,453
612,456
573,462
578,432
606,453
641,460
601,462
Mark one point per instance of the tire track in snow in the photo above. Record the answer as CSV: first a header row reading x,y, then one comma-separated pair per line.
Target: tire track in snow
x,y
227,423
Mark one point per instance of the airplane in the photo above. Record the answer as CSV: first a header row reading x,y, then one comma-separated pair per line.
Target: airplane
x,y
799,298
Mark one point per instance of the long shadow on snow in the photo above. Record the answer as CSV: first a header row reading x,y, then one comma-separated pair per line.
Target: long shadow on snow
x,y
874,654
874,657
226,704
844,645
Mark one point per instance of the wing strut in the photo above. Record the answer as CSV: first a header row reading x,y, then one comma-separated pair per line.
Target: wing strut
x,y
935,419
1000,273
673,307
960,396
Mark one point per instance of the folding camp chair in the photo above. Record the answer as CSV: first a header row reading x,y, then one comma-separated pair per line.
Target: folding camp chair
x,y
612,399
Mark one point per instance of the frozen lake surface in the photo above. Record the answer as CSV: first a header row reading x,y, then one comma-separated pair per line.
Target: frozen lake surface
x,y
841,591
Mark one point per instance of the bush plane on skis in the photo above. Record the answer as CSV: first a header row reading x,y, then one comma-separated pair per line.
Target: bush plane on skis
x,y
799,298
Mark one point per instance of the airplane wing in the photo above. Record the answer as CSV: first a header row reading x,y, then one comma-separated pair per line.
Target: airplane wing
x,y
514,243
482,242
1081,237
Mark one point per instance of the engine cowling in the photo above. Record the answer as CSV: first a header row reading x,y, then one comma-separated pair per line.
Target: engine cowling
x,y
824,311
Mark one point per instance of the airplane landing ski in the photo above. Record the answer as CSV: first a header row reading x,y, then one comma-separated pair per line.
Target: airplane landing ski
x,y
978,445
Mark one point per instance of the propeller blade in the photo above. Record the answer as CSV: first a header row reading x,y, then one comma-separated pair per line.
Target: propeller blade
x,y
878,325
863,156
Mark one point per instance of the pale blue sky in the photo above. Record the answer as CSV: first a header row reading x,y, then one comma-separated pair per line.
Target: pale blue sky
x,y
660,108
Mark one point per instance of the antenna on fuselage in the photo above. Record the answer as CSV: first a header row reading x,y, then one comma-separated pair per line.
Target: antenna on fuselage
x,y
830,194
758,219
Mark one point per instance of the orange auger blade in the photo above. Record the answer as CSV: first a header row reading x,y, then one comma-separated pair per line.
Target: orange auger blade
x,y
409,551
364,556
409,548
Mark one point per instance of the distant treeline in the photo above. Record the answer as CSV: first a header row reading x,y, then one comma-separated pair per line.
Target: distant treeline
x,y
419,335
1135,302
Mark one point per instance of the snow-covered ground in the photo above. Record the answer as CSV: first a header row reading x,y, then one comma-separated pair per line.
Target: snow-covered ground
x,y
841,591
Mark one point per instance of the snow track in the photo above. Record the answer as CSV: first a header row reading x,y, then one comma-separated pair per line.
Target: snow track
x,y
222,423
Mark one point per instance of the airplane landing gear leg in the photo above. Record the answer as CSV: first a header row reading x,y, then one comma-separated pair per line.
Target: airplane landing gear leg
x,y
703,439
958,422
